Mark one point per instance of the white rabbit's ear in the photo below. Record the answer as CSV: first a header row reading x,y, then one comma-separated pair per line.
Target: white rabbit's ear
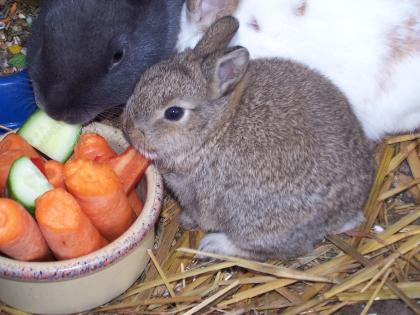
x,y
228,71
205,12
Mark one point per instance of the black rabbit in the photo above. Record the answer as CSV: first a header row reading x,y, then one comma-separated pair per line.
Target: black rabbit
x,y
85,56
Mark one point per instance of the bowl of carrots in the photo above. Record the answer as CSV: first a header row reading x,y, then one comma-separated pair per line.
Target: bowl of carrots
x,y
74,234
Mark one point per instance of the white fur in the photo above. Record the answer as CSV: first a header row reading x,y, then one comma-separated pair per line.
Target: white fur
x,y
346,40
219,243
359,219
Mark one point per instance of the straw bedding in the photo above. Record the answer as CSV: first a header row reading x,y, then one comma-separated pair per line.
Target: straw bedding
x,y
344,275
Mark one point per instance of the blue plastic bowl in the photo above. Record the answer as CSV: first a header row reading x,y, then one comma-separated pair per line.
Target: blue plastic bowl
x,y
17,100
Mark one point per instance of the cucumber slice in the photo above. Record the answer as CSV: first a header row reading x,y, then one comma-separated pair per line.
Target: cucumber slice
x,y
26,183
56,139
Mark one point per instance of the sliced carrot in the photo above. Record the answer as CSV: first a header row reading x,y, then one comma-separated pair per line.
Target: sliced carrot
x,y
100,194
20,236
54,171
68,230
39,162
130,166
135,202
12,147
15,142
93,147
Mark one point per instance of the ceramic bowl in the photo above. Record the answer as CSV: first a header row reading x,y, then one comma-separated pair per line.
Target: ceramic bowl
x,y
76,285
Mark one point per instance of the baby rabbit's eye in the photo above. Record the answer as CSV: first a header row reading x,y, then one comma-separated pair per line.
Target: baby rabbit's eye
x,y
174,113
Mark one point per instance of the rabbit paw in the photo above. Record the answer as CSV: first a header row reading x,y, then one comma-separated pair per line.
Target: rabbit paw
x,y
187,222
219,243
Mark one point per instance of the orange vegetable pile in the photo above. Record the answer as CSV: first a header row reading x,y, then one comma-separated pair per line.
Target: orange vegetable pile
x,y
92,203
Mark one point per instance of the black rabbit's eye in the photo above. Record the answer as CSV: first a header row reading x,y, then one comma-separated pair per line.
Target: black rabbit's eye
x,y
116,58
174,113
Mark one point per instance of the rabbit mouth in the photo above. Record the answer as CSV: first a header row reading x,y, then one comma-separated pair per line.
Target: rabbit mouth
x,y
142,147
137,139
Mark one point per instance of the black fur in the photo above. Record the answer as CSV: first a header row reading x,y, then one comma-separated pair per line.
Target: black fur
x,y
70,52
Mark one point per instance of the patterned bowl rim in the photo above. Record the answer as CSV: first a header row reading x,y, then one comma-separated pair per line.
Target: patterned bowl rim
x,y
97,260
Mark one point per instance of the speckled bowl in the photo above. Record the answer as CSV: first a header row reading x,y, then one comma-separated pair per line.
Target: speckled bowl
x,y
77,285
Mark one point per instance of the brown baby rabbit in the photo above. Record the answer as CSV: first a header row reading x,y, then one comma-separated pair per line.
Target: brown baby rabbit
x,y
265,155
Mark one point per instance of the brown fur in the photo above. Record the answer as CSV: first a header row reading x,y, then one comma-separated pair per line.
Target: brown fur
x,y
270,161
403,41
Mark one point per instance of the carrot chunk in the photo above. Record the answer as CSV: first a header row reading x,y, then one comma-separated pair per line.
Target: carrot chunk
x,y
12,147
39,162
20,236
135,202
93,147
68,230
15,142
100,194
130,166
54,171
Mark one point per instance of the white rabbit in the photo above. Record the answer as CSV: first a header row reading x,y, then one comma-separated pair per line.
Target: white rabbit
x,y
369,48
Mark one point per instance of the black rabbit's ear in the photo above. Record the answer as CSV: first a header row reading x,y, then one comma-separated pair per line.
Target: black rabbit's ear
x,y
228,71
205,12
217,37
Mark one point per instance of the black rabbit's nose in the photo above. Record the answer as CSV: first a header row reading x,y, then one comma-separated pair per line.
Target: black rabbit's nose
x,y
63,115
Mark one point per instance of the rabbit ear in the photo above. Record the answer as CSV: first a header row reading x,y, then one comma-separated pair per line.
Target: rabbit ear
x,y
228,71
205,12
217,37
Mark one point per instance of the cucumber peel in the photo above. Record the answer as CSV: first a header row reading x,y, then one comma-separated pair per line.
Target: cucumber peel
x,y
56,139
26,183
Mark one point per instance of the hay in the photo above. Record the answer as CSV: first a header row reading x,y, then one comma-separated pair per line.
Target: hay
x,y
359,267
362,266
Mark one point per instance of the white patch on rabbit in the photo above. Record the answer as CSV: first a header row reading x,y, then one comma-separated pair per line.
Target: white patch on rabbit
x,y
359,219
190,32
219,243
376,67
